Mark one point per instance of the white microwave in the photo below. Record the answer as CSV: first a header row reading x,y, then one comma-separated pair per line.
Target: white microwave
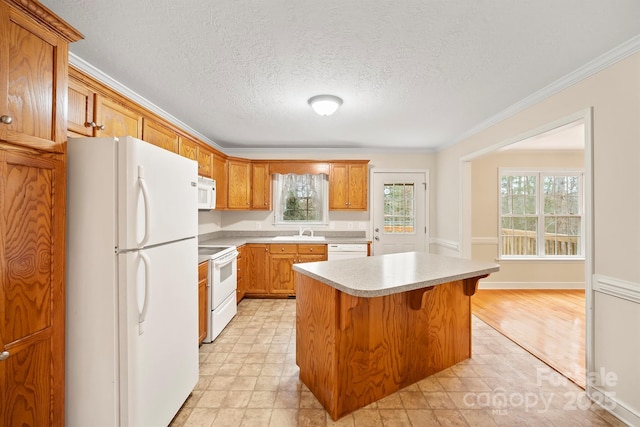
x,y
206,193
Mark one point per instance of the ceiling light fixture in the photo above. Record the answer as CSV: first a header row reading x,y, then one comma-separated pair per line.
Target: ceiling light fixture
x,y
325,105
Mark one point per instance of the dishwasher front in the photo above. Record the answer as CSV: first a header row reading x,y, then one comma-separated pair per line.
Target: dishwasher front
x,y
338,251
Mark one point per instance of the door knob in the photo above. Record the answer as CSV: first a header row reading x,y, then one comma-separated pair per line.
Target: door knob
x,y
4,355
377,238
6,119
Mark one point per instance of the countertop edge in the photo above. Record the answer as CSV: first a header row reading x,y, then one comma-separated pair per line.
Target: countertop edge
x,y
395,290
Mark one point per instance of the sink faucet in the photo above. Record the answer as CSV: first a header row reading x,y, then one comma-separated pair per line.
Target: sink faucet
x,y
303,230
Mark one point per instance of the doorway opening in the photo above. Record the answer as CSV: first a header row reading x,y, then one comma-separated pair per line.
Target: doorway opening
x,y
522,237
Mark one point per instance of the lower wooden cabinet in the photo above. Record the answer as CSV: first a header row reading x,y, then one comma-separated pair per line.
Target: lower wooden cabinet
x,y
203,300
32,287
241,273
257,261
269,267
281,260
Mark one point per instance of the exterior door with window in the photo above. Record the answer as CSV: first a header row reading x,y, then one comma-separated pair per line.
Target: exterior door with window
x,y
399,201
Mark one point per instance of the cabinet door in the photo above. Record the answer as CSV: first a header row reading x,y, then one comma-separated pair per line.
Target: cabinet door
x,y
260,186
348,185
339,186
281,274
203,300
32,293
187,148
219,173
159,135
114,119
205,163
239,185
358,178
33,83
80,111
258,268
241,273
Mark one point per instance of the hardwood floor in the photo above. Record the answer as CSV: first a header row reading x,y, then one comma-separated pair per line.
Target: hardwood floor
x,y
550,324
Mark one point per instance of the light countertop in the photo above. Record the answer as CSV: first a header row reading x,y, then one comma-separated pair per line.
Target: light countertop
x,y
393,273
243,240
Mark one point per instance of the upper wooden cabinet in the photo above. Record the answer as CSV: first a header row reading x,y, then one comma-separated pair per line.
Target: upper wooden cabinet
x,y
114,119
348,184
80,120
187,148
239,184
260,186
205,162
159,135
220,173
33,75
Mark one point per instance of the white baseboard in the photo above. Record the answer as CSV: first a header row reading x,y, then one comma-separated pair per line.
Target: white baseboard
x,y
612,405
530,285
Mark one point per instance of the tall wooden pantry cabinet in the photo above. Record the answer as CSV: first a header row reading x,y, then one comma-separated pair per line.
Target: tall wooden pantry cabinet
x,y
33,101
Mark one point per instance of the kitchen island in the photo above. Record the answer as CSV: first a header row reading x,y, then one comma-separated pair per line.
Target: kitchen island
x,y
367,327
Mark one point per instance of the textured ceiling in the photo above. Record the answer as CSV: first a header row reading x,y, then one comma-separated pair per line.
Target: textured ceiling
x,y
412,73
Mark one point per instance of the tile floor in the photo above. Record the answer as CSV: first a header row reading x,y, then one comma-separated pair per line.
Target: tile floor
x,y
248,377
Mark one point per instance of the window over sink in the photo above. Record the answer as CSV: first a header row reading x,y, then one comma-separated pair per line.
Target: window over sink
x,y
301,199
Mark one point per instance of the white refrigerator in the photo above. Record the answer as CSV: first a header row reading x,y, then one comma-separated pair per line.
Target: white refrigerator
x,y
131,290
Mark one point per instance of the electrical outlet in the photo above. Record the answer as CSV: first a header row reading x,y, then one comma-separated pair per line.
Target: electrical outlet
x,y
350,226
258,225
332,225
362,226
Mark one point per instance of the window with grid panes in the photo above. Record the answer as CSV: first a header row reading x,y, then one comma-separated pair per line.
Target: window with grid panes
x,y
541,214
399,208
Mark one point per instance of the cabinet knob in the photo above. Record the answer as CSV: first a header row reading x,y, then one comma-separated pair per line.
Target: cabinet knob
x,y
7,121
5,354
96,126
282,249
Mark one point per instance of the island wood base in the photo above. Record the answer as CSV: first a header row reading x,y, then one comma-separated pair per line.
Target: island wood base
x,y
353,351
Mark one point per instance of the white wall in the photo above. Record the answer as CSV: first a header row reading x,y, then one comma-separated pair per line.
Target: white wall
x,y
614,95
342,220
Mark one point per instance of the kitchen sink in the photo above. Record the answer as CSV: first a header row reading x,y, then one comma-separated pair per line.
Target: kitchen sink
x,y
300,238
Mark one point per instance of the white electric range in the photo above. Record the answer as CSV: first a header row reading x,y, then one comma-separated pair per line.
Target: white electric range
x,y
222,283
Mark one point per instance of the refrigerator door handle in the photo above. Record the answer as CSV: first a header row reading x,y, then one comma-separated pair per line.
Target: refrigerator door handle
x,y
145,198
147,290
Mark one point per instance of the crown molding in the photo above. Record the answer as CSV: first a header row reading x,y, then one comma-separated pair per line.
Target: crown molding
x,y
109,81
602,62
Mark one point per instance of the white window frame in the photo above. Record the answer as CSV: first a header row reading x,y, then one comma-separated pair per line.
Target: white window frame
x,y
540,231
277,206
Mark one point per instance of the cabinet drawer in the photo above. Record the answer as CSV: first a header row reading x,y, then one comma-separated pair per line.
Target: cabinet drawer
x,y
283,249
312,249
203,268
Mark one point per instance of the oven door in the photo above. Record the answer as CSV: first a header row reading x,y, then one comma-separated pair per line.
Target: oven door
x,y
223,278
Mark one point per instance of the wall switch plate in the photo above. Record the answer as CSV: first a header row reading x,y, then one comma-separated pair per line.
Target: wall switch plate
x,y
350,226
258,225
332,225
